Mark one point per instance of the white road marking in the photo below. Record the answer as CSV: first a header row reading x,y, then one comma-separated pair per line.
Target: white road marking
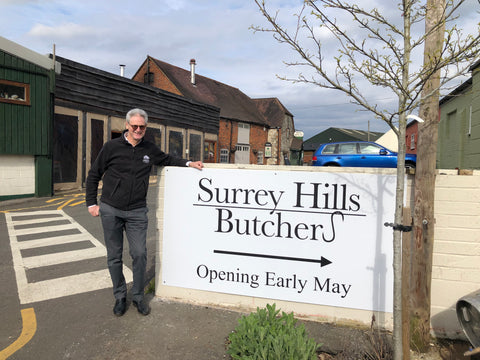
x,y
58,287
65,239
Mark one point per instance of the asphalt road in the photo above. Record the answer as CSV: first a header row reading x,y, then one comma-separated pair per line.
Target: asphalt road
x,y
53,276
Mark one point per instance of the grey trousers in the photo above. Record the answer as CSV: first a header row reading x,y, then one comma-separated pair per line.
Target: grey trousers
x,y
134,223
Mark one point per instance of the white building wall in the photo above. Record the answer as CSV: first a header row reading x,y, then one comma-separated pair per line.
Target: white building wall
x,y
389,140
17,175
456,253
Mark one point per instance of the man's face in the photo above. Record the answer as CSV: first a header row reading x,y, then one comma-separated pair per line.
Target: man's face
x,y
136,128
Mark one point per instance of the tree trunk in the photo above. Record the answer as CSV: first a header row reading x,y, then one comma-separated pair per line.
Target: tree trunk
x,y
424,220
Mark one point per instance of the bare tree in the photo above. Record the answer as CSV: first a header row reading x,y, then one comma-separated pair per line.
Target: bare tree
x,y
379,50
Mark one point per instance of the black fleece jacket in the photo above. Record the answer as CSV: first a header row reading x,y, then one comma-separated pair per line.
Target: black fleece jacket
x,y
125,170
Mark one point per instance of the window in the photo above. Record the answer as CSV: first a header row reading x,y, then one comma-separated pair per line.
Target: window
x,y
195,147
350,148
154,135
14,92
224,156
65,140
329,149
175,143
209,152
369,149
243,133
97,139
450,125
260,158
242,148
412,142
148,78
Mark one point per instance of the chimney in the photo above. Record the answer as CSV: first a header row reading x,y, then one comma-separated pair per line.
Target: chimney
x,y
192,71
122,70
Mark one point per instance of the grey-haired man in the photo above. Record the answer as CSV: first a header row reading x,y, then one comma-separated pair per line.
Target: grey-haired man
x,y
124,164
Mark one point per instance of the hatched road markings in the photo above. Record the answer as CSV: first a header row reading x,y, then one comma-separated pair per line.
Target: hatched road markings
x,y
39,233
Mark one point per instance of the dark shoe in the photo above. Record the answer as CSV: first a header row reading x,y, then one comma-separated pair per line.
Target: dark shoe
x,y
142,308
120,307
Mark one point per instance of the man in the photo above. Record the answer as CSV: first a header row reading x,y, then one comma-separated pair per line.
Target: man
x,y
124,164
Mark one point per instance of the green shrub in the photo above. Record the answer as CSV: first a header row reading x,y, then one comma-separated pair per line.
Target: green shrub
x,y
150,289
266,335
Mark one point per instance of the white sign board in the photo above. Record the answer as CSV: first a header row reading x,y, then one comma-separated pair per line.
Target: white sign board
x,y
310,237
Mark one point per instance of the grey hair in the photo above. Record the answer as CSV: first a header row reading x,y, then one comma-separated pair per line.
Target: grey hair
x,y
139,112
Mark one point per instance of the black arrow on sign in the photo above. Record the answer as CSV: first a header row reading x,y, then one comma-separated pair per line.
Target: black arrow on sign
x,y
322,261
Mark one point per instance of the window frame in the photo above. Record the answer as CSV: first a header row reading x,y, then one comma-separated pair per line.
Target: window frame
x,y
224,156
26,92
260,158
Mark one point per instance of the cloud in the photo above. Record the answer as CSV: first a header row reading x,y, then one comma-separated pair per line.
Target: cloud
x,y
20,2
69,31
216,33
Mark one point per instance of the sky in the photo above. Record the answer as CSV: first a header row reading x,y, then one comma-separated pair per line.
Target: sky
x,y
216,33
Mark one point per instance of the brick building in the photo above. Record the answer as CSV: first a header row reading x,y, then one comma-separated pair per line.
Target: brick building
x,y
251,131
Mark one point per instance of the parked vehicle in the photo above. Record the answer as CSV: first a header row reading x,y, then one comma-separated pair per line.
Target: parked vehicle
x,y
359,154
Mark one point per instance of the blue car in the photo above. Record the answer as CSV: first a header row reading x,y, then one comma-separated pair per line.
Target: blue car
x,y
359,154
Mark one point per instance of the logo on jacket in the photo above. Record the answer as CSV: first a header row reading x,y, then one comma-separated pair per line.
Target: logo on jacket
x,y
146,159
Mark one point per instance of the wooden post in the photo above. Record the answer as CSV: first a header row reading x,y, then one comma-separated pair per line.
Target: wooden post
x,y
406,263
425,171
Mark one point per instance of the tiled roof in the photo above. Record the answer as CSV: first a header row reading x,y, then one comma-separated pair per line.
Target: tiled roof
x,y
273,110
296,144
233,104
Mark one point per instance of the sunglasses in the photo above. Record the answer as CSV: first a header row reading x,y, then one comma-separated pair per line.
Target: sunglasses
x,y
135,127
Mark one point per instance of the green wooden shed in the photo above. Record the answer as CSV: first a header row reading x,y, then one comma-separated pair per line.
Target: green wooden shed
x,y
27,84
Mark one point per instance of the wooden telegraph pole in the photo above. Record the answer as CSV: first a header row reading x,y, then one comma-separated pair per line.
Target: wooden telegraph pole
x,y
424,220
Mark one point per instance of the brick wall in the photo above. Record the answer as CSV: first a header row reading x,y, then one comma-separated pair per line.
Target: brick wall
x,y
227,137
159,79
258,138
411,130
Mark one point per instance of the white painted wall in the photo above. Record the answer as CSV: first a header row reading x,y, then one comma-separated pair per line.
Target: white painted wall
x,y
456,253
17,175
389,140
